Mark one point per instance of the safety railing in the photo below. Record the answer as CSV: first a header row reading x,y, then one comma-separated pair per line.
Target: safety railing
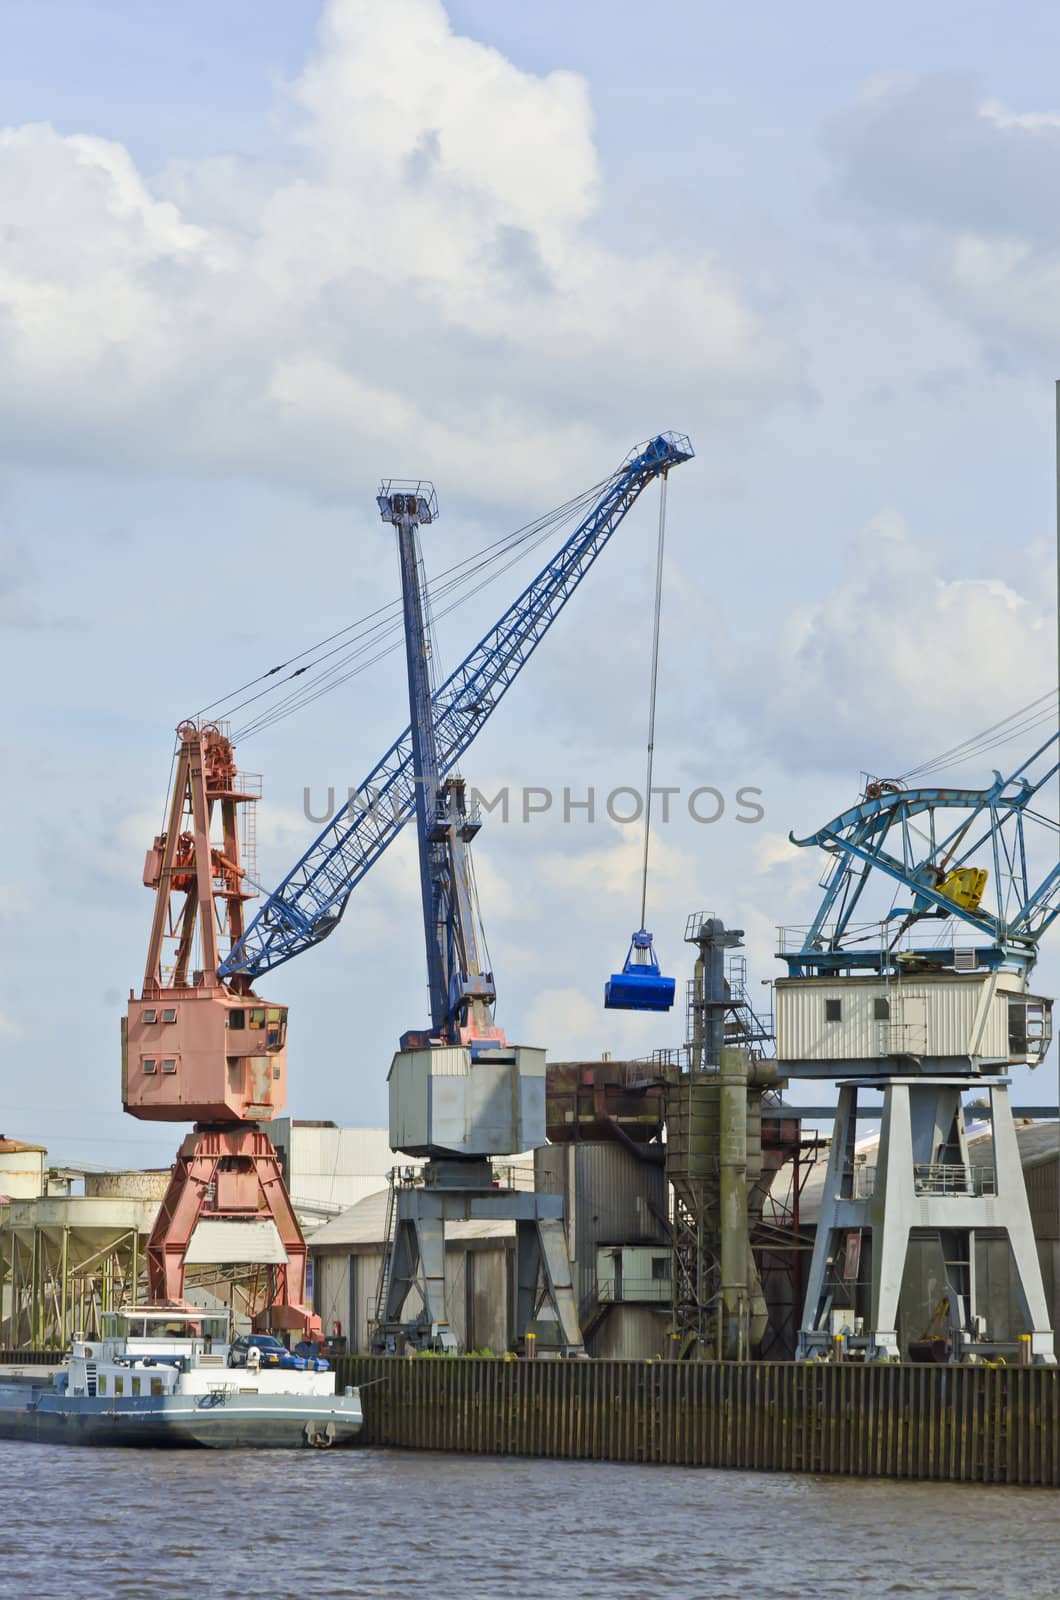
x,y
953,1178
860,1182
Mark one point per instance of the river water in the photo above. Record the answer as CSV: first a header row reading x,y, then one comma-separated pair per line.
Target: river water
x,y
236,1525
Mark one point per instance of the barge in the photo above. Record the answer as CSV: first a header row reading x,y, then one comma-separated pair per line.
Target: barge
x,y
167,1378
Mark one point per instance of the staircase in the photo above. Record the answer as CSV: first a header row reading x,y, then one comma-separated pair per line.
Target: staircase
x,y
383,1287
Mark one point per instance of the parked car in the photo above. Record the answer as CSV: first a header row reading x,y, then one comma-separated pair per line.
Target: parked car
x,y
272,1353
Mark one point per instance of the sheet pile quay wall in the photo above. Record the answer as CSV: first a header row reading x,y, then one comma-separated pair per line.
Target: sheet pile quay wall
x,y
956,1424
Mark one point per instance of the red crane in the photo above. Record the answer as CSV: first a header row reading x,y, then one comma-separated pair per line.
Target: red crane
x,y
202,1048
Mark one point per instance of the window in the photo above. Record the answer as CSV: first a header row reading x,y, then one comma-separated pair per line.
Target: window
x,y
833,1011
1030,1029
881,1010
237,1019
150,1064
660,1269
170,1065
169,1014
257,1016
101,1385
136,1386
156,1386
151,1015
275,1074
119,1386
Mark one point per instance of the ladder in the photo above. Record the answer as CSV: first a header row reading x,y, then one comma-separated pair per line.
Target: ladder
x,y
383,1288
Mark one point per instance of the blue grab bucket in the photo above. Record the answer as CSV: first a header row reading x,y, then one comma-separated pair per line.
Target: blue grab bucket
x,y
640,986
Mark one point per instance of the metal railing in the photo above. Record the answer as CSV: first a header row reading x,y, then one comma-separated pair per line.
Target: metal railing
x,y
952,1177
929,1178
862,1181
633,1290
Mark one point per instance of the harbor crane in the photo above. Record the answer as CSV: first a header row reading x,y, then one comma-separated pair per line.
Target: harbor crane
x,y
925,1005
200,1044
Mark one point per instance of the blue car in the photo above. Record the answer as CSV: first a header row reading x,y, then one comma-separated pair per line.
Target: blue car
x,y
273,1354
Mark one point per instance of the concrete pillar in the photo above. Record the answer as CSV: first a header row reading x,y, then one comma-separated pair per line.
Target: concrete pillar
x,y
892,1214
1012,1200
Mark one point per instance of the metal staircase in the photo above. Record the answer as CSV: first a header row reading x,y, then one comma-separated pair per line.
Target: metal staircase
x,y
383,1287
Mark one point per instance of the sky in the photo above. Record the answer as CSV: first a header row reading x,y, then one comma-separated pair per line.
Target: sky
x,y
254,257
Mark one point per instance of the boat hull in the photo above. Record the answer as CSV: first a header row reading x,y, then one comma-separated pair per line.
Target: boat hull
x,y
211,1422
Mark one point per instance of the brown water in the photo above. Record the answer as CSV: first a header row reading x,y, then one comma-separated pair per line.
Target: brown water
x,y
142,1525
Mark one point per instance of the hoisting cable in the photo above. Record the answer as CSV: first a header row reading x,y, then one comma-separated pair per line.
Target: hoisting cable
x,y
522,545
652,695
368,631
1032,715
640,986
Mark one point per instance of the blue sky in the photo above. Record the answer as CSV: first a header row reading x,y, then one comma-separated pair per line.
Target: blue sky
x,y
254,256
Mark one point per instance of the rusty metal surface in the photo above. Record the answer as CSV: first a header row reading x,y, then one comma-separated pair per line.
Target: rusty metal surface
x,y
953,1424
600,1101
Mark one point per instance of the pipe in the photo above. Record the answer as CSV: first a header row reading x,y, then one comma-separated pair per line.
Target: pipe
x,y
735,1246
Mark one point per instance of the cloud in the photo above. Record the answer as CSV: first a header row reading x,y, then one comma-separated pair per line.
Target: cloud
x,y
898,660
15,902
962,194
9,1028
18,585
575,1026
424,270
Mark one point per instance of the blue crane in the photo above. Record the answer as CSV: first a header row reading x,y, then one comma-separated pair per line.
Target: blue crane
x,y
933,843
461,994
310,901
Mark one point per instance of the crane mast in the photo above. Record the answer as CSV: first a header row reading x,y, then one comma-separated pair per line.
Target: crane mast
x,y
461,995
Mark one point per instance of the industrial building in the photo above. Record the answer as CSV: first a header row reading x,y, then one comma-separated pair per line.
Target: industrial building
x,y
327,1168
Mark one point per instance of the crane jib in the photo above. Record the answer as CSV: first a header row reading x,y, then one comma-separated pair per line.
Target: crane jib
x,y
310,901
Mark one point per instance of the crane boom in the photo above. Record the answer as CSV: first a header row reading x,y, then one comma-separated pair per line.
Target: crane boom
x,y
937,858
310,901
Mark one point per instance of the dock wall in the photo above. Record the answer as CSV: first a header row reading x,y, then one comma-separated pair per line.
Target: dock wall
x,y
953,1424
941,1424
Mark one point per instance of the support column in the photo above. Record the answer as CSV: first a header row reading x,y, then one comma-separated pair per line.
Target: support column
x,y
1012,1196
64,1332
558,1279
430,1240
892,1205
814,1305
527,1275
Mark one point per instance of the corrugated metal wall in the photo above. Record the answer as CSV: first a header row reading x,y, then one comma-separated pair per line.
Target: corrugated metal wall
x,y
956,1424
608,1198
633,1333
803,1034
1043,1194
484,1293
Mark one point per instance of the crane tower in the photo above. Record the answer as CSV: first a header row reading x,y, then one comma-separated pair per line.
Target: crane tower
x,y
459,1092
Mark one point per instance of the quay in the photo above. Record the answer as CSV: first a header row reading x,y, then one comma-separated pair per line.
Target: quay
x,y
958,1424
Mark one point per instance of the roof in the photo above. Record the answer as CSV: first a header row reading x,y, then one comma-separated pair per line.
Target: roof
x,y
1038,1142
11,1147
365,1223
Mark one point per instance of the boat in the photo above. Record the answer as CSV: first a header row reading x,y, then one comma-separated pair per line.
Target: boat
x,y
165,1377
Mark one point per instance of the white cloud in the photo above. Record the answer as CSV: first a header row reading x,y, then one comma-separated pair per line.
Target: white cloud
x,y
9,1028
960,193
14,902
423,274
898,661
